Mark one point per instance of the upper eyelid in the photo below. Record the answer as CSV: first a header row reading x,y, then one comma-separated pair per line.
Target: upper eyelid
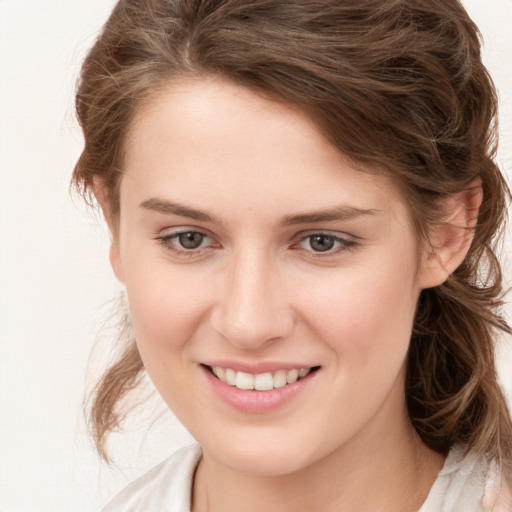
x,y
340,239
173,231
344,241
336,234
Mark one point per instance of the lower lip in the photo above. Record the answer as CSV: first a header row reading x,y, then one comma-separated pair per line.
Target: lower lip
x,y
252,401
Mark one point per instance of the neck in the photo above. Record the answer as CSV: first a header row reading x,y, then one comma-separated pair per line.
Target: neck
x,y
391,472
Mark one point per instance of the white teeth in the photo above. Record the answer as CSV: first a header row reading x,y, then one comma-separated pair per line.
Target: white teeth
x,y
261,381
244,380
230,376
280,379
303,372
292,376
221,373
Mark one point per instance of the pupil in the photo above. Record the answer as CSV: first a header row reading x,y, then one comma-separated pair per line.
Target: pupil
x,y
190,240
322,243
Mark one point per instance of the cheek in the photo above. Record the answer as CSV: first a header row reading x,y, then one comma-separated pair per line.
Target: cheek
x,y
366,314
167,310
166,306
367,327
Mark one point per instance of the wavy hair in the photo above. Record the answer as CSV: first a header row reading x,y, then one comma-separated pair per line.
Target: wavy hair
x,y
396,84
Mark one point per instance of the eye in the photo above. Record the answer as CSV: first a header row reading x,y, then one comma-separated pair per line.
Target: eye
x,y
186,241
324,243
321,243
190,239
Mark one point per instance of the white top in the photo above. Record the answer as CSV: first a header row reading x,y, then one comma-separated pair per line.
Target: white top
x,y
465,484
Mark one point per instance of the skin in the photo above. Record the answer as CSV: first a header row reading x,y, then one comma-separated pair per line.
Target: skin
x,y
256,291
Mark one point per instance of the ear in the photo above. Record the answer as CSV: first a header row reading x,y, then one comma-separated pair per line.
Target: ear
x,y
101,194
450,240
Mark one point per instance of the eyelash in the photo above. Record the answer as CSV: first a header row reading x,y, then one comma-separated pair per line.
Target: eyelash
x,y
169,242
341,244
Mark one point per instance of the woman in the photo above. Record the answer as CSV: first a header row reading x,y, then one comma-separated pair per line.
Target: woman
x,y
303,206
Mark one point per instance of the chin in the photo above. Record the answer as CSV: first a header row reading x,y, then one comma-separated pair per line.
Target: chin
x,y
266,464
260,458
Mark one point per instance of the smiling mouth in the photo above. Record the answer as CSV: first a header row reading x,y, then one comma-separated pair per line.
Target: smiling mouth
x,y
261,381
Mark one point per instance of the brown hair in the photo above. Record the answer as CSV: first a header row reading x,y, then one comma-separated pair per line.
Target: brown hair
x,y
397,84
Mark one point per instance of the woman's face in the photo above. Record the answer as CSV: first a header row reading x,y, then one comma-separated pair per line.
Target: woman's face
x,y
251,249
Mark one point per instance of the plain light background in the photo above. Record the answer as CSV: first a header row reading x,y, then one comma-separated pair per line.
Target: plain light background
x,y
55,281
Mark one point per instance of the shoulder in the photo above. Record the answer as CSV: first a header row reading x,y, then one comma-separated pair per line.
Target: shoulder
x,y
498,493
468,483
166,488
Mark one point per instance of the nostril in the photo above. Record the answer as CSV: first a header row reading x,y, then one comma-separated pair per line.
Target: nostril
x,y
251,328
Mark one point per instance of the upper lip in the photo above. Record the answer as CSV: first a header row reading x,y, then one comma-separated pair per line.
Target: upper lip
x,y
257,367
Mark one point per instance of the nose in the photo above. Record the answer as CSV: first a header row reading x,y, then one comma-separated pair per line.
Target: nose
x,y
252,309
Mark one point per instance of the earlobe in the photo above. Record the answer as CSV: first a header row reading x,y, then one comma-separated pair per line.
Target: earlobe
x,y
101,194
449,241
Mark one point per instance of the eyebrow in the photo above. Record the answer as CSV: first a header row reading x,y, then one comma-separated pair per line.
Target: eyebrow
x,y
337,213
163,206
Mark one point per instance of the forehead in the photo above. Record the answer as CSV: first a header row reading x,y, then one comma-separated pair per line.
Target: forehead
x,y
222,144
